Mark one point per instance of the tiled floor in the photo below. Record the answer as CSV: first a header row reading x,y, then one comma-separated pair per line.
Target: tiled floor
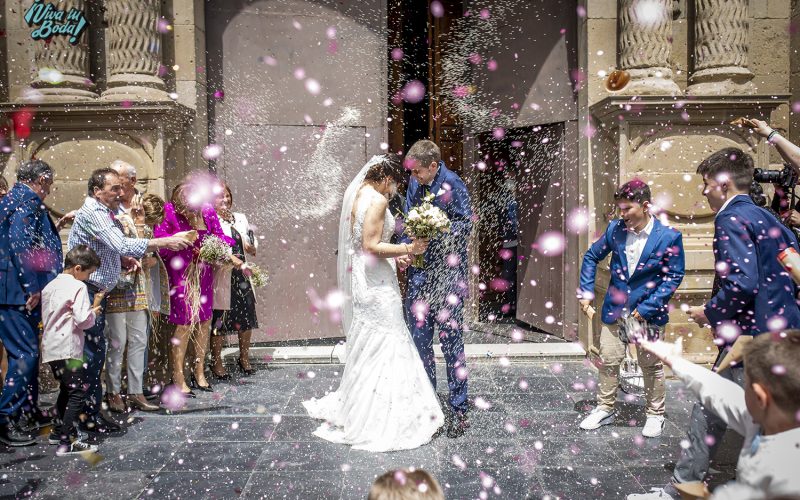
x,y
252,439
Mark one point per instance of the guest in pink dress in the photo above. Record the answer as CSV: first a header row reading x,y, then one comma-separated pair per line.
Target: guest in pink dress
x,y
179,216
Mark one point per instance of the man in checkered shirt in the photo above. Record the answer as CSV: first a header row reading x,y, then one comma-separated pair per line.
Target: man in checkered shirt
x,y
97,227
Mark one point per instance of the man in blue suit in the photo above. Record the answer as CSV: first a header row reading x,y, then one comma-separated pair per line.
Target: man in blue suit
x,y
30,257
647,266
755,294
436,293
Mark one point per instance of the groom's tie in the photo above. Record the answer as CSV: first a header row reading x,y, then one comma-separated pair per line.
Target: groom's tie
x,y
425,190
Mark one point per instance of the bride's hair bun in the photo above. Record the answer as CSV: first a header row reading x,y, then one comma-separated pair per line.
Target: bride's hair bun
x,y
390,166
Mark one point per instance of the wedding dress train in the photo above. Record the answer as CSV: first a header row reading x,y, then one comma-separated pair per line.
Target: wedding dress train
x,y
385,400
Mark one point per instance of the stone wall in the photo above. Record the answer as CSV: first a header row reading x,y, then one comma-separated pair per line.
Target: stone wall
x,y
689,78
133,88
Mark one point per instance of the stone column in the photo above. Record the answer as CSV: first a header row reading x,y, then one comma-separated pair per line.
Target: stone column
x,y
62,69
134,51
645,46
720,48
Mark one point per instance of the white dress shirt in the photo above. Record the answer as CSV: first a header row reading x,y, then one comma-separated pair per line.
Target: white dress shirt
x,y
634,245
66,313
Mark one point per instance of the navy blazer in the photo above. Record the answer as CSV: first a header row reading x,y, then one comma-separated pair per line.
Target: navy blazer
x,y
453,198
650,286
754,287
30,248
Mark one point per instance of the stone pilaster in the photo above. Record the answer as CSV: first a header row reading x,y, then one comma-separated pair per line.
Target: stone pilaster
x,y
720,48
62,69
134,51
645,46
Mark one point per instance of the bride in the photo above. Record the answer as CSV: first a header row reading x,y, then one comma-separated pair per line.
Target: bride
x,y
385,400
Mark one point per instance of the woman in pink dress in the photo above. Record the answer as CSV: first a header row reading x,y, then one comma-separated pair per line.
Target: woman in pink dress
x,y
180,215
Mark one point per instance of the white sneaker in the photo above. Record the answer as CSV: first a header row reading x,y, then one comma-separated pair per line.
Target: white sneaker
x,y
654,426
655,494
597,418
75,448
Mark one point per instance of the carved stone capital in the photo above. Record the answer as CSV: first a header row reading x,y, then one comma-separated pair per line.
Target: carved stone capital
x,y
645,46
62,69
720,48
134,51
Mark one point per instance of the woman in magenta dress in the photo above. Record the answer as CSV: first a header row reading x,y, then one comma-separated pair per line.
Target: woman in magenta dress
x,y
180,215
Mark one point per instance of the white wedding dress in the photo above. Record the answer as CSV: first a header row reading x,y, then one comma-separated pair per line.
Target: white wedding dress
x,y
385,400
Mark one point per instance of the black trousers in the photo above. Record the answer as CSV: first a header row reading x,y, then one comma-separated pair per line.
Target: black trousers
x,y
71,396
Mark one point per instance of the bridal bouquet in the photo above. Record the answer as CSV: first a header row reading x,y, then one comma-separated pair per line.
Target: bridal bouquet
x,y
212,251
259,276
426,221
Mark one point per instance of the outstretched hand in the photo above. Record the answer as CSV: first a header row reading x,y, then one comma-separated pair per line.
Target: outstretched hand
x,y
665,351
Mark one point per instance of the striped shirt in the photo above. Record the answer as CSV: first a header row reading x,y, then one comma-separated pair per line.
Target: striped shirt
x,y
98,228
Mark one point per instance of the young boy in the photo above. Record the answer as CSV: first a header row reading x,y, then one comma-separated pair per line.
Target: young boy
x,y
766,412
647,266
66,313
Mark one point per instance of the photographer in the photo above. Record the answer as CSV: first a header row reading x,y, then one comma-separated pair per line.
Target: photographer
x,y
788,151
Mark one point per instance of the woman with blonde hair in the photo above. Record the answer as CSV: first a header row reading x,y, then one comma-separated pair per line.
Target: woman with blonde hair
x,y
190,209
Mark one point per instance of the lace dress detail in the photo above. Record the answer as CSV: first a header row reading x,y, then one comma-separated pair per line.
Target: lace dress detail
x,y
385,400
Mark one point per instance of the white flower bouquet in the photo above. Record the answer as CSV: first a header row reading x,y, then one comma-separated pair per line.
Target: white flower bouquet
x,y
426,221
259,276
213,251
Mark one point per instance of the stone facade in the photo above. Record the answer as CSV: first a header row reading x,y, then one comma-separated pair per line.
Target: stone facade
x,y
122,92
134,87
728,59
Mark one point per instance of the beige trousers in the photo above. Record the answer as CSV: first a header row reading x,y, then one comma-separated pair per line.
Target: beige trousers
x,y
612,352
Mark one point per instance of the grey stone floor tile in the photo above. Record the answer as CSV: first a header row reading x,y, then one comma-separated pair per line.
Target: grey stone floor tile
x,y
245,428
426,457
357,483
192,485
28,484
253,438
221,457
99,485
599,481
296,428
280,456
123,456
158,428
320,485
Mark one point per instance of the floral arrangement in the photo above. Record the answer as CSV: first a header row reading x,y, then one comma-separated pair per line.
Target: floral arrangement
x,y
426,221
258,277
212,251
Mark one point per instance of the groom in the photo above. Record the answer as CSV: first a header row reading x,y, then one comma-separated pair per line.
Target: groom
x,y
435,295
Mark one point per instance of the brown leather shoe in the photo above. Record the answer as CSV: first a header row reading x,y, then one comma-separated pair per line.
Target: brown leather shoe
x,y
139,402
115,403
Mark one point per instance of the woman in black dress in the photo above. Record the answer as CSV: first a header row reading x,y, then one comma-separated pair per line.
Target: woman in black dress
x,y
240,317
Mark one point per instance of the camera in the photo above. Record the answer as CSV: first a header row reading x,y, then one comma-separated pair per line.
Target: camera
x,y
786,178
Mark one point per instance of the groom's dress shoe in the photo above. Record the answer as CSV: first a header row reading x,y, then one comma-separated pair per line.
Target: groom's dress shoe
x,y
458,425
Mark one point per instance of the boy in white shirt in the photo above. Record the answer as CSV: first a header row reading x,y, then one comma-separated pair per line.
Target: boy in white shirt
x,y
66,313
766,412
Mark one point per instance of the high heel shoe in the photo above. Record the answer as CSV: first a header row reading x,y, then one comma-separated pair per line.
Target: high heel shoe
x,y
246,371
189,394
224,376
204,388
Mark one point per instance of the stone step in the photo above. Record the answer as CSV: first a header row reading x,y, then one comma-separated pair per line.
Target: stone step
x,y
526,351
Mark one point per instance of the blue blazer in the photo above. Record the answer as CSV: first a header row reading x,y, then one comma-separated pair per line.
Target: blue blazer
x,y
453,198
754,287
649,287
30,248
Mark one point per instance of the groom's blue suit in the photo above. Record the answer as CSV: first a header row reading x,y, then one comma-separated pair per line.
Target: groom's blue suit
x,y
436,294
